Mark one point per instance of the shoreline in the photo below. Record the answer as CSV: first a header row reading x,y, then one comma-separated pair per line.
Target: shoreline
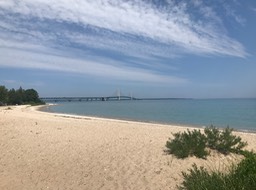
x,y
189,126
77,116
42,150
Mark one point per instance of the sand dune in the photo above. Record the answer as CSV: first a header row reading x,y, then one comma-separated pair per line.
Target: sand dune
x,y
53,151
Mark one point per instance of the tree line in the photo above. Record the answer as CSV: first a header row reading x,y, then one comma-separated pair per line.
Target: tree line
x,y
19,96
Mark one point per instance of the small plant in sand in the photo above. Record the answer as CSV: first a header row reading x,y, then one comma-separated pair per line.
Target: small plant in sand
x,y
187,144
195,143
223,141
240,176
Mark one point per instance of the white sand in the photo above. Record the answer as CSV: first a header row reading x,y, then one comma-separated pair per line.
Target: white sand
x,y
52,151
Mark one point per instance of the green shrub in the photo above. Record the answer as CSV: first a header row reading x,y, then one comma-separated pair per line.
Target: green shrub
x,y
224,142
241,176
194,143
213,135
187,144
200,178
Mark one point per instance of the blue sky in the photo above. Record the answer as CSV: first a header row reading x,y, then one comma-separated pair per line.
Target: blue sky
x,y
150,48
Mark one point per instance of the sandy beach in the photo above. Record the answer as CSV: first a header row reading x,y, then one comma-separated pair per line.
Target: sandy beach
x,y
53,151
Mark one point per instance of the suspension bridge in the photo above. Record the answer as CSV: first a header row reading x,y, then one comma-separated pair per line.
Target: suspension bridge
x,y
117,97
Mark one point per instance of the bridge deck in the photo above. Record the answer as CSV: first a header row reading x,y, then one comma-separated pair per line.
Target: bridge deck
x,y
69,99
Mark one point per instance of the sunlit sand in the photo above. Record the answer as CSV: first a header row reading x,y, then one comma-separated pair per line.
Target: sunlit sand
x,y
55,151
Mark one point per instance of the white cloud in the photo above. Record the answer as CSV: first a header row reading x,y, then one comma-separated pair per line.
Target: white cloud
x,y
16,58
131,47
171,26
10,81
20,83
231,12
135,29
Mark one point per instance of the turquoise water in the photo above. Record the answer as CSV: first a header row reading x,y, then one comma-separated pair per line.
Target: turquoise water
x,y
237,113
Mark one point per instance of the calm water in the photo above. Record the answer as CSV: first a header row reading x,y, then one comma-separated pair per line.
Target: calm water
x,y
237,113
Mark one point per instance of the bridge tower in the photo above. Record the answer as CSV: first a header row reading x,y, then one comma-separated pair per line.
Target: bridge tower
x,y
131,96
119,94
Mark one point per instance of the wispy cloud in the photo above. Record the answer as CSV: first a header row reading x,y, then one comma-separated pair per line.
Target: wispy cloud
x,y
171,25
231,12
95,67
110,38
9,81
254,9
20,83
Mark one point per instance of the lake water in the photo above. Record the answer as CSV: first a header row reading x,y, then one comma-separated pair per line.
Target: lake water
x,y
237,113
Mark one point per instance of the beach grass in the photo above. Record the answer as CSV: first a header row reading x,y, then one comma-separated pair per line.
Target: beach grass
x,y
240,176
194,143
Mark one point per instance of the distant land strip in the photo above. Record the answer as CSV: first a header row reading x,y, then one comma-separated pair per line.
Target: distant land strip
x,y
101,98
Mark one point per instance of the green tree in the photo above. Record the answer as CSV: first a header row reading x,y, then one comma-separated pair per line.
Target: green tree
x,y
3,95
20,95
31,95
12,97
